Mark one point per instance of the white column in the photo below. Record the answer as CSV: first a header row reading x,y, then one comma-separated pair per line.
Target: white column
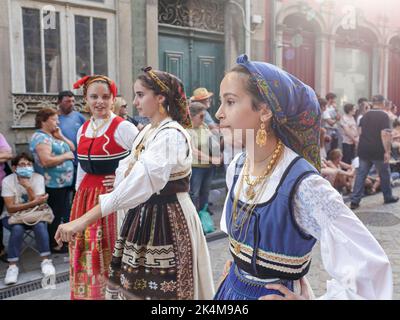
x,y
321,61
124,51
279,47
152,33
331,64
385,71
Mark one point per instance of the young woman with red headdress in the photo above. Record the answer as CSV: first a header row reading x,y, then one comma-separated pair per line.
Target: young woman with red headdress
x,y
161,252
103,141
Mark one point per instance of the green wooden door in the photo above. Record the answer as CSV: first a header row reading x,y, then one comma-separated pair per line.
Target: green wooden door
x,y
199,63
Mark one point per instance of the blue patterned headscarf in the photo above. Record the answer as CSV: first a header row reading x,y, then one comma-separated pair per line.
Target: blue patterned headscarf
x,y
295,108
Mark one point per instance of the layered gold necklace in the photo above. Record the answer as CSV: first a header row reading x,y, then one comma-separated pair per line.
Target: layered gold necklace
x,y
251,195
250,192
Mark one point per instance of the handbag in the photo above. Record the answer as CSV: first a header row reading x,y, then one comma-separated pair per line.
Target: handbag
x,y
33,216
206,220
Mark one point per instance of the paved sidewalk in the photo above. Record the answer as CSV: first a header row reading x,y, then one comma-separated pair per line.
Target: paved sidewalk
x,y
383,221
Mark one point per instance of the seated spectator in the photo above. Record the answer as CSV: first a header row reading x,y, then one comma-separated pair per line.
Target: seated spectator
x,y
5,155
372,182
327,172
23,190
346,173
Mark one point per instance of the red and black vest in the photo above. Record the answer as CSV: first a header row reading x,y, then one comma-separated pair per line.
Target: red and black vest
x,y
101,155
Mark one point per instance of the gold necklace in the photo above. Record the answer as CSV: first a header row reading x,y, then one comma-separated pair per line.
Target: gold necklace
x,y
235,224
250,193
96,129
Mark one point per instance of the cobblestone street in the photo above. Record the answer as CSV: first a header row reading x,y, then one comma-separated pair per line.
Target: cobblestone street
x,y
383,221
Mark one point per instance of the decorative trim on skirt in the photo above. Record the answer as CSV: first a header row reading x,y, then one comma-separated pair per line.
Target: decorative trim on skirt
x,y
153,256
237,286
90,253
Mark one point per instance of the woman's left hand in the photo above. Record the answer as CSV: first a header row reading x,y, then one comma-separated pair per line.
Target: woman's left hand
x,y
287,294
108,182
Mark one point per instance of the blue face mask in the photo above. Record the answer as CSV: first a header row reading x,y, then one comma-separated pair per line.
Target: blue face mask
x,y
24,172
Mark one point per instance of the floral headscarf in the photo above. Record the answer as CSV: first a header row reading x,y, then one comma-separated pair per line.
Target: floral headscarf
x,y
295,108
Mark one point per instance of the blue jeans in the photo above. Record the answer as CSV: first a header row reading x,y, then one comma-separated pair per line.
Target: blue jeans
x,y
17,236
200,185
362,173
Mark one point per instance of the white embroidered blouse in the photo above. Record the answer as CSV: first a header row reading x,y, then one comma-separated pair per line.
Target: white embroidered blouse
x,y
166,155
351,255
124,135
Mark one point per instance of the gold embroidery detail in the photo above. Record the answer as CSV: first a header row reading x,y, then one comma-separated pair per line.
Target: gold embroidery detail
x,y
274,257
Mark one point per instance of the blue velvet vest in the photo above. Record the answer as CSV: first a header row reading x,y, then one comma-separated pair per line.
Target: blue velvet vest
x,y
270,244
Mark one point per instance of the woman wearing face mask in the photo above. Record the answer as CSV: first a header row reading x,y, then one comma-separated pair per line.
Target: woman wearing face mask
x,y
279,206
161,252
103,141
23,190
53,154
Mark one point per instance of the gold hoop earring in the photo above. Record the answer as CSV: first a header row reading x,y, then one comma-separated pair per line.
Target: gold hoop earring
x,y
262,136
161,109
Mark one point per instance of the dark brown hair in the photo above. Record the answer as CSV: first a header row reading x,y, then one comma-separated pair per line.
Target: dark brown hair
x,y
19,157
43,115
250,86
174,93
334,154
348,107
195,108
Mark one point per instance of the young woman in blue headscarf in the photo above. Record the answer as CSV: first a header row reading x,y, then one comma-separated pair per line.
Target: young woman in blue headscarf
x,y
279,206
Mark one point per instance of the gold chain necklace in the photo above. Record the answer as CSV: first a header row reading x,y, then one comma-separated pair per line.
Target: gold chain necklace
x,y
96,129
250,193
239,225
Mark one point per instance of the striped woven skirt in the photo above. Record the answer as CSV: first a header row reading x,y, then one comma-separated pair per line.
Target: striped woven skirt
x,y
90,253
153,257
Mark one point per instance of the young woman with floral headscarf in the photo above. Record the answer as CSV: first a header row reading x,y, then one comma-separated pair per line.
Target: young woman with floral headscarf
x,y
161,252
279,206
103,141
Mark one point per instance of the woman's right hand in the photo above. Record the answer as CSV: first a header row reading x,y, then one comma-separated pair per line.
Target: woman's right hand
x,y
69,155
225,272
42,199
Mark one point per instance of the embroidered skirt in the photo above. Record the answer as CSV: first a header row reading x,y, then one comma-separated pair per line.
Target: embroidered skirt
x,y
153,256
90,253
238,286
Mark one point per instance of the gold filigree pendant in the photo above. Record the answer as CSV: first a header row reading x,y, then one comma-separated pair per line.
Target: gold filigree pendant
x,y
250,194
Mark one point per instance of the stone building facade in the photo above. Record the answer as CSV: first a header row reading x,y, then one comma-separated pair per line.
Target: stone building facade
x,y
349,47
48,44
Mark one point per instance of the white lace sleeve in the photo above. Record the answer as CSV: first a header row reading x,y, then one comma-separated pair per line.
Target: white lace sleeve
x,y
351,255
150,173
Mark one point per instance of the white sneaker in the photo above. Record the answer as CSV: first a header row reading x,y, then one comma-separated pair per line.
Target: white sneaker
x,y
12,275
47,267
